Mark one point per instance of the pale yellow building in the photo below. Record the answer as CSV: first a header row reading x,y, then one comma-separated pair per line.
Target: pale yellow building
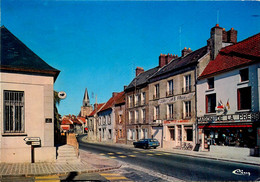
x,y
26,99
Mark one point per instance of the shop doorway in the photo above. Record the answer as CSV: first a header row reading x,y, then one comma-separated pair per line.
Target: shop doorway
x,y
179,136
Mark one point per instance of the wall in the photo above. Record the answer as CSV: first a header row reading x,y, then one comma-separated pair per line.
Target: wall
x,y
226,86
38,94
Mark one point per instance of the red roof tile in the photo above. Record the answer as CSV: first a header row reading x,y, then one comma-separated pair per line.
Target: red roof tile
x,y
231,57
96,109
112,101
82,119
66,121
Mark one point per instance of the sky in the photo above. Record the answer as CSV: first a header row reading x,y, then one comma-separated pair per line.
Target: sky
x,y
98,44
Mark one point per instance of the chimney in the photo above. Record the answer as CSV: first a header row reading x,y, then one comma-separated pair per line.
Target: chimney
x,y
162,60
185,51
224,35
138,71
232,36
165,59
95,106
215,41
125,87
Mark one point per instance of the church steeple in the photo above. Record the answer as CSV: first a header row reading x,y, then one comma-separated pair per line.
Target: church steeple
x,y
86,102
86,108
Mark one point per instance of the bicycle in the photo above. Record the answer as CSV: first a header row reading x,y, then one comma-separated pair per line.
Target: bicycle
x,y
187,146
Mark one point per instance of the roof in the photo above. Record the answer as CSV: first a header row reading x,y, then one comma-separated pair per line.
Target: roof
x,y
231,57
120,100
182,62
96,109
66,121
112,101
142,78
82,119
17,57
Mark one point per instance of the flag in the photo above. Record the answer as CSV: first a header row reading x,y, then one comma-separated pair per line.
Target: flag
x,y
220,105
227,105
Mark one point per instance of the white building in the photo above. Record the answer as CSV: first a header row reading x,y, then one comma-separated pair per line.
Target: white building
x,y
228,98
26,99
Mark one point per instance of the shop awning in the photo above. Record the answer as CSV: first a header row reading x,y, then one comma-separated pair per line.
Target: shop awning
x,y
225,126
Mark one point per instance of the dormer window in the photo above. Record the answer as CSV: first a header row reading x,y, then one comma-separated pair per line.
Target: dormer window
x,y
211,83
244,75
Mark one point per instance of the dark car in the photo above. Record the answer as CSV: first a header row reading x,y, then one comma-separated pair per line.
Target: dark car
x,y
147,143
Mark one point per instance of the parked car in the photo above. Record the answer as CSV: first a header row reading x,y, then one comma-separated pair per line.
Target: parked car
x,y
147,143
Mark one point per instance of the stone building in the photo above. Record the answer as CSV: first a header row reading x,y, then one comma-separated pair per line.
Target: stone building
x,y
27,103
228,96
92,124
172,97
137,106
106,119
119,124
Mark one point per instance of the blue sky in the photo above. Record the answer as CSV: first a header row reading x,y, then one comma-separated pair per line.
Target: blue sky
x,y
98,44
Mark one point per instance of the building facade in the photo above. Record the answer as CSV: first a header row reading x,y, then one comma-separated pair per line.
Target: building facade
x,y
137,106
25,78
172,97
228,98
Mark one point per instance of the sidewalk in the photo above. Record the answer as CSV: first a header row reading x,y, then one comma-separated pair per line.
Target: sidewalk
x,y
89,163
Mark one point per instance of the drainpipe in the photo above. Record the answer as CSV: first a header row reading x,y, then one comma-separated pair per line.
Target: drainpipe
x,y
196,121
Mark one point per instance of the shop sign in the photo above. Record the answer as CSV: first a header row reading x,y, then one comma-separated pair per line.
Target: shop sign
x,y
176,98
176,121
242,117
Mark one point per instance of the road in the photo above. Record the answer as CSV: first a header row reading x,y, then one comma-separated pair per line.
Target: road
x,y
178,166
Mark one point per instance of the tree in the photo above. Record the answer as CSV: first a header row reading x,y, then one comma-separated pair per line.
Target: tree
x,y
56,117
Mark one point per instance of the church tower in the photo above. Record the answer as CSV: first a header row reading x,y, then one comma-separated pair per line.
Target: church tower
x,y
86,108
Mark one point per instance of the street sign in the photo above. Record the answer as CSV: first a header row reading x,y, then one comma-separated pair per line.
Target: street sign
x,y
36,143
32,139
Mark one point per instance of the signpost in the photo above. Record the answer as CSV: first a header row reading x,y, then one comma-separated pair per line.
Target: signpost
x,y
34,142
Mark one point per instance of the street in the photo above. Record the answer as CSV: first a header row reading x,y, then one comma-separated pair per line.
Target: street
x,y
174,166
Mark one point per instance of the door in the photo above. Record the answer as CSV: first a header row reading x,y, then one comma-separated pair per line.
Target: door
x,y
179,136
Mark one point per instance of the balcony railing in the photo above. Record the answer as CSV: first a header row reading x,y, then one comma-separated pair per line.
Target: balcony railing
x,y
169,93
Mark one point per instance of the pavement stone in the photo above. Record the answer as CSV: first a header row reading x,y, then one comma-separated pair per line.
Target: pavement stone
x,y
89,164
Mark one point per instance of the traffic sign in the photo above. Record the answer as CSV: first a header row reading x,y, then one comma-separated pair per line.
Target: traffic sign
x,y
32,139
36,143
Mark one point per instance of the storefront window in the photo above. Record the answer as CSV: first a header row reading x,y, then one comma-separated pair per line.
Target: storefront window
x,y
172,132
239,137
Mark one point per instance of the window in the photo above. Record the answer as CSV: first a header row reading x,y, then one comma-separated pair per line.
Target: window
x,y
143,98
188,130
120,118
172,132
211,83
109,119
130,100
211,103
134,136
131,116
244,98
143,115
156,91
244,75
137,116
109,133
137,99
170,111
13,112
187,82
187,107
170,88
156,112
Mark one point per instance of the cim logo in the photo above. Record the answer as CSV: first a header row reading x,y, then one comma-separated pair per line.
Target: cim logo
x,y
240,172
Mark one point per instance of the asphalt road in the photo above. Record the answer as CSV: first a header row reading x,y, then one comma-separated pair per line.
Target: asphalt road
x,y
177,166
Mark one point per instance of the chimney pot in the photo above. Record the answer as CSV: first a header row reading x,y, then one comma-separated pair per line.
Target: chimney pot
x,y
138,71
185,51
217,25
